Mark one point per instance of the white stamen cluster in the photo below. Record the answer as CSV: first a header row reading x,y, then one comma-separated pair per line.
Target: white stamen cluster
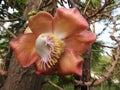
x,y
50,49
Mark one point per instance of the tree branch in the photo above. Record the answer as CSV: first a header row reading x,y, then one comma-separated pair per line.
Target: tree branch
x,y
10,20
53,84
8,31
101,9
107,74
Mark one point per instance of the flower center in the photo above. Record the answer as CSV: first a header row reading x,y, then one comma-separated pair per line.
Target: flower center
x,y
50,49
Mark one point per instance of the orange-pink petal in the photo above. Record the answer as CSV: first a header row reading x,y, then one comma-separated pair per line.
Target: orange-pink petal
x,y
41,22
24,48
81,41
68,22
70,63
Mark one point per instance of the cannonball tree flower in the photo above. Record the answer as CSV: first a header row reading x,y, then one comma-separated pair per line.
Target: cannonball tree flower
x,y
54,43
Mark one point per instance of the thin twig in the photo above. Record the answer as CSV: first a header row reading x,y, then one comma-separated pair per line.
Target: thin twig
x,y
71,3
86,7
11,14
102,30
10,20
101,9
107,74
53,84
8,31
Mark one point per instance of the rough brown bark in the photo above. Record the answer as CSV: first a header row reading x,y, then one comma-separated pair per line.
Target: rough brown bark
x,y
86,71
23,78
86,68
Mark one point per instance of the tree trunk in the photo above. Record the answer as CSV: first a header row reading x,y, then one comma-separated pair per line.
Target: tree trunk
x,y
23,78
86,71
86,68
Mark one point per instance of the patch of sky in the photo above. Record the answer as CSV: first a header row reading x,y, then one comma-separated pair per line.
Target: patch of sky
x,y
116,14
105,36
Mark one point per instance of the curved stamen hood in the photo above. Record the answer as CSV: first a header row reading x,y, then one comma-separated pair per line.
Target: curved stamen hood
x,y
49,48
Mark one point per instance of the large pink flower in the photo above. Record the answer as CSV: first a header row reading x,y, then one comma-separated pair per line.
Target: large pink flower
x,y
54,43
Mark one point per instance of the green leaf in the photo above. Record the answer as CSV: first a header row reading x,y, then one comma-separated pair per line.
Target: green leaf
x,y
21,1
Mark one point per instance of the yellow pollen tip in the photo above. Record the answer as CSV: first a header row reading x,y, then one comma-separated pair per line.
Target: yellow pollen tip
x,y
48,65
